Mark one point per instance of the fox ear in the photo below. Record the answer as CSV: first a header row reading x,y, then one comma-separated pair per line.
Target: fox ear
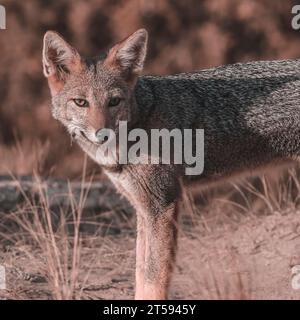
x,y
129,55
59,60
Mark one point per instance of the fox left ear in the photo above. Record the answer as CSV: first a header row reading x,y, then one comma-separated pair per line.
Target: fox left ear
x,y
59,61
129,55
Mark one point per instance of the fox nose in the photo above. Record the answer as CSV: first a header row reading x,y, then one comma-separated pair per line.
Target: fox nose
x,y
102,135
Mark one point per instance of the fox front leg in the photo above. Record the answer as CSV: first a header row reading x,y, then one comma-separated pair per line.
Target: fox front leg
x,y
155,193
156,246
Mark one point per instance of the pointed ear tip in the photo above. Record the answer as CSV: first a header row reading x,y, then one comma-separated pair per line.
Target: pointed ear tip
x,y
50,34
142,32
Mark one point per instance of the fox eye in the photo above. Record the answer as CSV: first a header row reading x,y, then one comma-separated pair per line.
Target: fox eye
x,y
82,103
114,101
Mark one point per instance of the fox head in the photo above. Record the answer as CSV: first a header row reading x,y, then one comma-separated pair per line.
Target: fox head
x,y
91,94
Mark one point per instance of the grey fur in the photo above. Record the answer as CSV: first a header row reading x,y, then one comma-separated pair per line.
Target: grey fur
x,y
250,112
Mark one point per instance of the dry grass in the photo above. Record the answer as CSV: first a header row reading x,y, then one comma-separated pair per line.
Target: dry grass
x,y
57,248
23,158
57,238
216,238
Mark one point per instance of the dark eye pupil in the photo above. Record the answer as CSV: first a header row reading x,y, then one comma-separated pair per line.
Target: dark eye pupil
x,y
81,102
114,101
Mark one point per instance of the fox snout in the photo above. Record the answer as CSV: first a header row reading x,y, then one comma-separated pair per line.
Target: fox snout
x,y
95,136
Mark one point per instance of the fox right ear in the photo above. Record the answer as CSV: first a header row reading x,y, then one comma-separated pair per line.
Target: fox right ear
x,y
128,56
59,60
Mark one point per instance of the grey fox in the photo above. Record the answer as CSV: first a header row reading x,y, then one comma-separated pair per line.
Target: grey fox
x,y
250,113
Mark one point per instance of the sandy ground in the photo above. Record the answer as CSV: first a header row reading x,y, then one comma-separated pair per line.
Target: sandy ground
x,y
251,259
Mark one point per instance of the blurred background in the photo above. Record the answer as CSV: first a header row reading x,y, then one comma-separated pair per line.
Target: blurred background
x,y
184,36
